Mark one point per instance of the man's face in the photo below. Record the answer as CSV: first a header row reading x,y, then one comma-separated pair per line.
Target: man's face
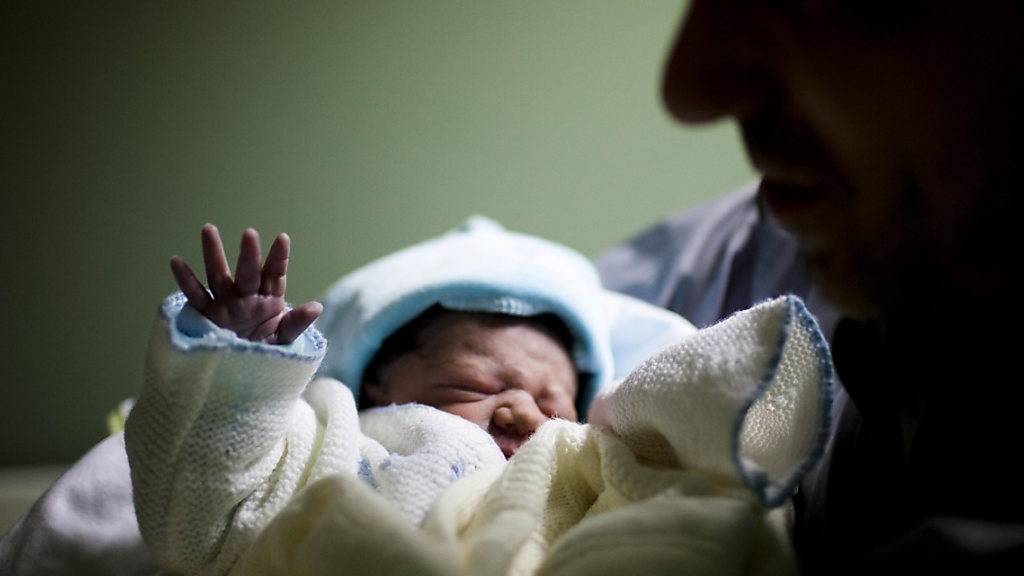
x,y
506,375
882,130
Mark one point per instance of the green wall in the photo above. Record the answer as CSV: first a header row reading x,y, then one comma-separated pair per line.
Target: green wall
x,y
357,127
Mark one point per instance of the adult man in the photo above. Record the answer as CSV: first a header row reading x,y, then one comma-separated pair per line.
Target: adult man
x,y
883,132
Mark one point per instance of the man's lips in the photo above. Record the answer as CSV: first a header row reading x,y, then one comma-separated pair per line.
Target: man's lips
x,y
798,207
802,186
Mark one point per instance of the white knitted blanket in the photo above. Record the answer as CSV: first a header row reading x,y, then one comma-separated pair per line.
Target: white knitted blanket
x,y
677,474
225,432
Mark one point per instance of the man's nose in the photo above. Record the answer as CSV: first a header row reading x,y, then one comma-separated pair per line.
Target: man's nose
x,y
518,414
718,65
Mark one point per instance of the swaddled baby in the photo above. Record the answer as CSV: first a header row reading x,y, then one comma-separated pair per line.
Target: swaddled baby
x,y
466,350
466,343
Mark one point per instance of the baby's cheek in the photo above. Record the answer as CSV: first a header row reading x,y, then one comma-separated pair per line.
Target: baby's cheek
x,y
563,408
477,412
598,414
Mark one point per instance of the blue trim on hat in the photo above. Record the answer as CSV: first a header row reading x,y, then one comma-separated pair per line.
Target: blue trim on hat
x,y
476,297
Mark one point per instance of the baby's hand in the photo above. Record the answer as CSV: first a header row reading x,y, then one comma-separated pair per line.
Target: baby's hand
x,y
251,304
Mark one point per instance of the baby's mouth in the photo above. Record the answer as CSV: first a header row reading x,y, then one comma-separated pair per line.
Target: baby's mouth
x,y
509,443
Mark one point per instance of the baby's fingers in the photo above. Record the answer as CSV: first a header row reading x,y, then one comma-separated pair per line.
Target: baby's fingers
x,y
218,275
247,270
296,321
275,269
197,296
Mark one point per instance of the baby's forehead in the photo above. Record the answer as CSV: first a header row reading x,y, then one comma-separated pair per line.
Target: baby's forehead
x,y
460,331
453,341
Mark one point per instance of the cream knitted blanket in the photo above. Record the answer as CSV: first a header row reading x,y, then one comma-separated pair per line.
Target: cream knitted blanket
x,y
680,472
225,432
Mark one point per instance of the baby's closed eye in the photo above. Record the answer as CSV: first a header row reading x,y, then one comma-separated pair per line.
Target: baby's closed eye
x,y
458,392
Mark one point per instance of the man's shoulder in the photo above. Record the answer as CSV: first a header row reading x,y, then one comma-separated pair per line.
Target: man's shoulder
x,y
683,244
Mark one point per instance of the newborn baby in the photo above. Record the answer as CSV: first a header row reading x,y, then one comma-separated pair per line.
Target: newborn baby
x,y
457,349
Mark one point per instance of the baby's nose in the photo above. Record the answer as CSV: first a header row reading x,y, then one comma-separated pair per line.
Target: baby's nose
x,y
518,414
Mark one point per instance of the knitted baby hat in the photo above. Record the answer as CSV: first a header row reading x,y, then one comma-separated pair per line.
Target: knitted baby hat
x,y
477,267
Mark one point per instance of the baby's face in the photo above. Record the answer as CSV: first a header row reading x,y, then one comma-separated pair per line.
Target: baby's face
x,y
506,375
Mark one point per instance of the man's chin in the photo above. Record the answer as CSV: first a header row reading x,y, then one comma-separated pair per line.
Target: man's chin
x,y
847,289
